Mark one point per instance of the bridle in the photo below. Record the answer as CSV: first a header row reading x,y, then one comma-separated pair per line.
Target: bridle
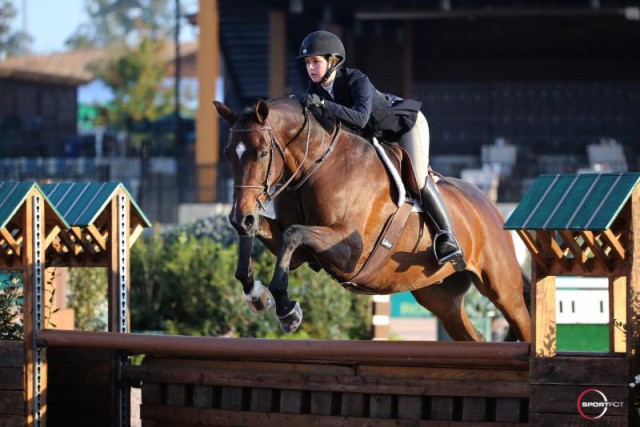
x,y
274,144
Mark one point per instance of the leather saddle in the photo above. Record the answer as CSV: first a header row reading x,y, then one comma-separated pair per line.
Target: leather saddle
x,y
402,162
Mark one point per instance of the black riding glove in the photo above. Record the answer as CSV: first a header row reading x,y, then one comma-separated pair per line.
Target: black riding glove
x,y
312,99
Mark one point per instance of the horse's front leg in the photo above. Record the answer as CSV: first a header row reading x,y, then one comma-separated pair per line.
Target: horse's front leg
x,y
255,293
338,249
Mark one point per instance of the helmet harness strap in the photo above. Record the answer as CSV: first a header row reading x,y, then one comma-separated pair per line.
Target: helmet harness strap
x,y
331,69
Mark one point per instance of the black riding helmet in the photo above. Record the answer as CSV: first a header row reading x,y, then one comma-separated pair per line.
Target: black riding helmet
x,y
323,43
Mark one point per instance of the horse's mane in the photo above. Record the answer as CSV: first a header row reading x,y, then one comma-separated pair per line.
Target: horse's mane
x,y
327,121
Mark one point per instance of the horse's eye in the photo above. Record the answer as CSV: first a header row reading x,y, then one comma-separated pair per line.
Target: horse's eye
x,y
263,154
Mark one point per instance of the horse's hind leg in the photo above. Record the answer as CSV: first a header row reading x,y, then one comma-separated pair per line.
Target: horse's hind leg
x,y
510,301
446,301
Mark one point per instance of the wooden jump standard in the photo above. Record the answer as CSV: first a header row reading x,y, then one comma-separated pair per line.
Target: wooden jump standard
x,y
66,224
584,225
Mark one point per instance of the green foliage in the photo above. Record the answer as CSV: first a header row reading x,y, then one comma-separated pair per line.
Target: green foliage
x,y
11,307
88,297
135,75
183,282
12,43
113,22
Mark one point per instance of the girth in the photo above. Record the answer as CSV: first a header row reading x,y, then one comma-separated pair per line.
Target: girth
x,y
382,250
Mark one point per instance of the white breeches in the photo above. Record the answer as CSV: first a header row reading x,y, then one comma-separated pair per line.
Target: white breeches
x,y
416,143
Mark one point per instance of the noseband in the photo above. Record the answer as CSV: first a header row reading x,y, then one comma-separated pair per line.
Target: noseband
x,y
266,185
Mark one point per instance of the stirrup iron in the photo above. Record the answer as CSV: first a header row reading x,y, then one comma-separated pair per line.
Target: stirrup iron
x,y
456,257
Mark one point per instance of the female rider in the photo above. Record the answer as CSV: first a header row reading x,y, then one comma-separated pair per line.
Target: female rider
x,y
349,96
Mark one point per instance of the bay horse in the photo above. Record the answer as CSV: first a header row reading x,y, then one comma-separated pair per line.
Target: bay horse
x,y
332,196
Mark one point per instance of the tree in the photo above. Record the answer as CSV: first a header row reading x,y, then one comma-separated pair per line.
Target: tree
x,y
135,75
113,22
11,43
88,298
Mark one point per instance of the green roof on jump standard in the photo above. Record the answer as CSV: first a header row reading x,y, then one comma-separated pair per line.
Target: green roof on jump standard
x,y
80,203
589,201
13,195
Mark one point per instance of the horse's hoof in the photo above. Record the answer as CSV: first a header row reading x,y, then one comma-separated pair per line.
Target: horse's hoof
x,y
260,298
291,322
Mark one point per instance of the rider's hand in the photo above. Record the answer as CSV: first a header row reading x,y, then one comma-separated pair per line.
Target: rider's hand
x,y
312,99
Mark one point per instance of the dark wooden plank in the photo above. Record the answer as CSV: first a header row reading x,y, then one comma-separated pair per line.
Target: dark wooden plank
x,y
561,399
444,373
380,406
80,416
257,366
170,416
12,420
353,405
409,407
231,398
565,420
441,408
153,393
321,402
474,409
186,374
91,398
262,399
202,396
78,355
11,353
508,410
612,370
176,394
12,378
12,402
83,406
80,375
291,401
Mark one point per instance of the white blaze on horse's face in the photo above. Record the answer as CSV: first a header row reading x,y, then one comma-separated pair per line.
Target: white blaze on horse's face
x,y
240,149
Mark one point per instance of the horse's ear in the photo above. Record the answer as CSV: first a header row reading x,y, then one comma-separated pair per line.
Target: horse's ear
x,y
262,111
225,112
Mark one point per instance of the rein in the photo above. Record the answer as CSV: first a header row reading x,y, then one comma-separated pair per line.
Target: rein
x,y
265,186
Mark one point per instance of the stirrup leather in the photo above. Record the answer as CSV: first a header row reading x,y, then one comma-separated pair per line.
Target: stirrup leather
x,y
456,257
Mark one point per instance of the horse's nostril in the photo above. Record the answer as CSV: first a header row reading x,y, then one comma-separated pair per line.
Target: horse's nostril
x,y
248,222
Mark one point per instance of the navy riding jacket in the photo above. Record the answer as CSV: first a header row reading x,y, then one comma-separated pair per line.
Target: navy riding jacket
x,y
360,106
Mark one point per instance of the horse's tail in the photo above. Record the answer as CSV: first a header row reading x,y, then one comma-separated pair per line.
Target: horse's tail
x,y
526,292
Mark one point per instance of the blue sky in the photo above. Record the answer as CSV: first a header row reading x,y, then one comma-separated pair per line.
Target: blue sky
x,y
51,22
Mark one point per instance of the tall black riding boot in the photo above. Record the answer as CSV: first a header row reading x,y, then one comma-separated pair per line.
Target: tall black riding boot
x,y
445,245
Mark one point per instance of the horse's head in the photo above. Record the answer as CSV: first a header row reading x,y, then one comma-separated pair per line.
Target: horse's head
x,y
256,154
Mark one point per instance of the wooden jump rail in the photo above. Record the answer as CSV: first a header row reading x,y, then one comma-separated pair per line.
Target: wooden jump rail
x,y
403,353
